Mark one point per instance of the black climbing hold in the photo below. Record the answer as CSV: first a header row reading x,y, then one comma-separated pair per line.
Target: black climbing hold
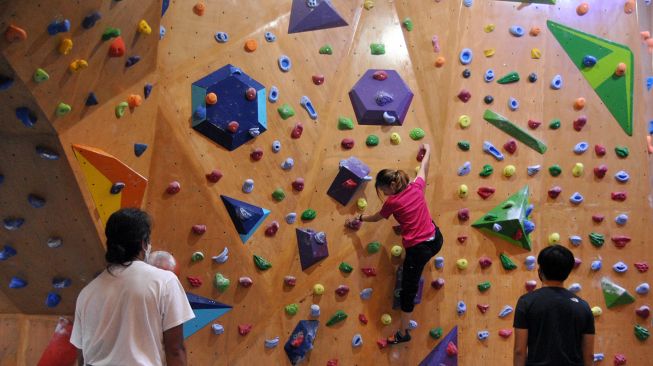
x,y
488,99
467,73
117,187
532,77
36,201
5,82
91,99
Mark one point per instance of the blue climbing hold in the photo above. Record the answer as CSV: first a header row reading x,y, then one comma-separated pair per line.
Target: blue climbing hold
x,y
17,282
52,300
461,308
221,37
284,63
530,262
621,219
581,147
383,98
308,105
117,187
162,32
489,75
200,113
529,209
132,60
274,94
7,252
516,31
468,3
483,335
439,262
164,7
5,82
575,288
47,154
270,37
61,282
147,90
532,77
90,20
529,226
357,340
139,149
513,104
91,100
13,223
589,61
26,116
466,56
496,227
490,149
36,201
642,288
505,311
650,127
576,198
465,169
596,265
556,83
621,176
366,293
620,267
649,83
233,70
533,169
59,26
575,240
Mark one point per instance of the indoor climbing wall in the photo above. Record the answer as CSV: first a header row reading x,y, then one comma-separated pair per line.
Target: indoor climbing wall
x,y
248,129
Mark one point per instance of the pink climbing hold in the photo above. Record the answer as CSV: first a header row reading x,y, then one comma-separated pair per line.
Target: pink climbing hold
x,y
342,290
244,329
369,271
318,79
199,229
532,124
577,262
117,47
485,192
620,241
452,350
510,146
297,130
354,224
619,196
462,239
598,218
362,318
643,311
464,96
233,126
349,184
530,285
246,282
382,343
600,150
271,230
436,43
347,143
250,94
641,266
505,333
483,308
380,75
485,262
173,188
438,283
332,362
256,154
554,192
619,359
290,281
463,214
298,184
214,176
580,122
600,171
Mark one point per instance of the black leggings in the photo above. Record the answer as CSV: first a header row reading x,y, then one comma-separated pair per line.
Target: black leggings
x,y
416,258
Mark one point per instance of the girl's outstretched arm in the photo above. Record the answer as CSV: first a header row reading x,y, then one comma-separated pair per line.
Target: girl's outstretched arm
x,y
424,167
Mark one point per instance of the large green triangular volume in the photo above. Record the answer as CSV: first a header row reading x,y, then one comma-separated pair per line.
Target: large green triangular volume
x,y
615,92
509,216
515,131
614,294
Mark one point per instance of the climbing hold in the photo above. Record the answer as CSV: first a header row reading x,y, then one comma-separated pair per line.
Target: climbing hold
x,y
306,103
244,329
488,99
250,45
490,149
575,287
554,124
438,262
134,100
439,62
618,196
600,171
63,109
484,286
486,171
246,282
117,47
298,184
463,191
579,123
463,145
516,31
641,333
576,198
530,262
620,267
17,282
464,96
284,63
506,262
621,219
199,8
582,9
377,49
396,250
214,176
40,76
596,311
248,186
620,241
110,32
250,94
464,121
530,285
132,60
77,65
291,309
461,308
221,282
287,164
382,98
620,70
117,187
536,53
532,77
291,218
511,77
285,111
173,187
221,37
597,239
489,28
483,335
621,151
579,104
463,214
278,194
408,24
468,3
366,293
581,147
485,262
52,300
220,258
438,283
533,169
505,311
622,176
489,75
274,94
26,116
466,73
337,317
489,52
642,288
345,123
513,104
554,238
395,138
276,146
643,311
555,170
575,240
289,281
319,80
466,56
261,263
417,133
465,169
15,34
509,171
485,192
342,290
577,170
577,262
533,125
462,263
596,265
65,46
556,82
7,252
57,26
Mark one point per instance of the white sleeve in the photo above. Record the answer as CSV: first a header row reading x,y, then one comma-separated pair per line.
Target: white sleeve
x,y
76,335
176,309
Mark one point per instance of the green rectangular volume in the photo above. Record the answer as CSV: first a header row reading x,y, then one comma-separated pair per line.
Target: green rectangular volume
x,y
515,131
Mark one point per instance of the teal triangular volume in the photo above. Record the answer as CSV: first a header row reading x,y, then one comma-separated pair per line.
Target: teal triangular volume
x,y
245,217
205,310
245,237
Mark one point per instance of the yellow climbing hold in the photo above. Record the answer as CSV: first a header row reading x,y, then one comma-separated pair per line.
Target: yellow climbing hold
x,y
143,27
361,204
463,191
395,139
489,28
489,52
554,238
77,65
65,46
368,4
597,311
578,169
318,289
464,121
536,53
462,263
386,319
396,250
509,171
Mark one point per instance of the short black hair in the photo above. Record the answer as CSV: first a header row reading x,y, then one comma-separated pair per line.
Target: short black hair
x,y
556,262
126,231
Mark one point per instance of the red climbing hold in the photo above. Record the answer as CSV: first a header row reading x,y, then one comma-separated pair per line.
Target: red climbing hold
x,y
380,75
117,47
641,266
600,150
510,146
342,290
318,79
347,143
290,281
619,196
505,333
243,329
554,192
464,96
173,188
246,282
382,343
532,124
462,239
452,350
257,154
297,340
643,312
598,218
421,153
194,281
214,176
619,359
518,235
250,94
579,123
485,192
349,184
620,241
437,284
483,308
14,34
297,130
332,362
600,171
530,285
369,271
463,214
485,262
233,126
298,184
271,230
199,229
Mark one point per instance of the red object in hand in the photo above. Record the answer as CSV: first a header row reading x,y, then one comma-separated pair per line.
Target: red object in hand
x,y
243,329
297,131
173,188
369,271
620,241
257,154
579,123
380,75
420,154
194,281
485,192
199,229
483,307
534,124
452,350
618,196
214,176
510,146
318,79
362,318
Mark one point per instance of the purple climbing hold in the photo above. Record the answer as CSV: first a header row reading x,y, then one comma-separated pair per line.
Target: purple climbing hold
x,y
13,223
26,116
52,300
147,90
132,60
7,252
139,149
17,282
383,98
91,99
61,282
90,20
36,201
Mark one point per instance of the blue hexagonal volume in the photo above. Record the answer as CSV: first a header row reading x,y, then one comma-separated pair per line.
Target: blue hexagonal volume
x,y
234,113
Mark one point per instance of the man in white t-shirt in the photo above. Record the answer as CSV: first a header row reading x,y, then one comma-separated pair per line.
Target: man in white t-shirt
x,y
132,313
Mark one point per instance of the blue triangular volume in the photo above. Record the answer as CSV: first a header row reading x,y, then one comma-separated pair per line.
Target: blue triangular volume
x,y
91,99
199,302
304,18
438,356
205,310
244,227
139,149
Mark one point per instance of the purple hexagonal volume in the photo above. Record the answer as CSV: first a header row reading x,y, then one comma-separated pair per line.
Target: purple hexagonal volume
x,y
380,97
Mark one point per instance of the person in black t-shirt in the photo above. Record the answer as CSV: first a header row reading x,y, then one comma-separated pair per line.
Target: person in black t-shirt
x,y
553,327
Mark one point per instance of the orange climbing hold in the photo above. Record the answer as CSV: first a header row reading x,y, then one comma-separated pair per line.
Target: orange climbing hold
x,y
199,8
134,100
579,103
650,146
251,45
439,62
211,98
621,69
645,35
117,47
582,9
535,31
15,34
629,6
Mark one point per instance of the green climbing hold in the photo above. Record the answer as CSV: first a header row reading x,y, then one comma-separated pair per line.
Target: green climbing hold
x,y
464,145
373,247
555,170
515,131
63,109
40,75
121,108
507,204
614,294
641,333
622,151
417,134
507,263
408,24
436,333
511,77
490,217
336,318
486,171
484,286
221,282
377,48
291,309
109,33
197,256
262,263
597,239
555,124
285,111
326,50
345,267
372,140
278,194
309,214
345,123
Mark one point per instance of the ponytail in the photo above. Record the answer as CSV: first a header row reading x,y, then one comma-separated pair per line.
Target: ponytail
x,y
390,177
126,231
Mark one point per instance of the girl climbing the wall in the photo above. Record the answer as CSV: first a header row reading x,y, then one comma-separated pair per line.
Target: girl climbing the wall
x,y
421,238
